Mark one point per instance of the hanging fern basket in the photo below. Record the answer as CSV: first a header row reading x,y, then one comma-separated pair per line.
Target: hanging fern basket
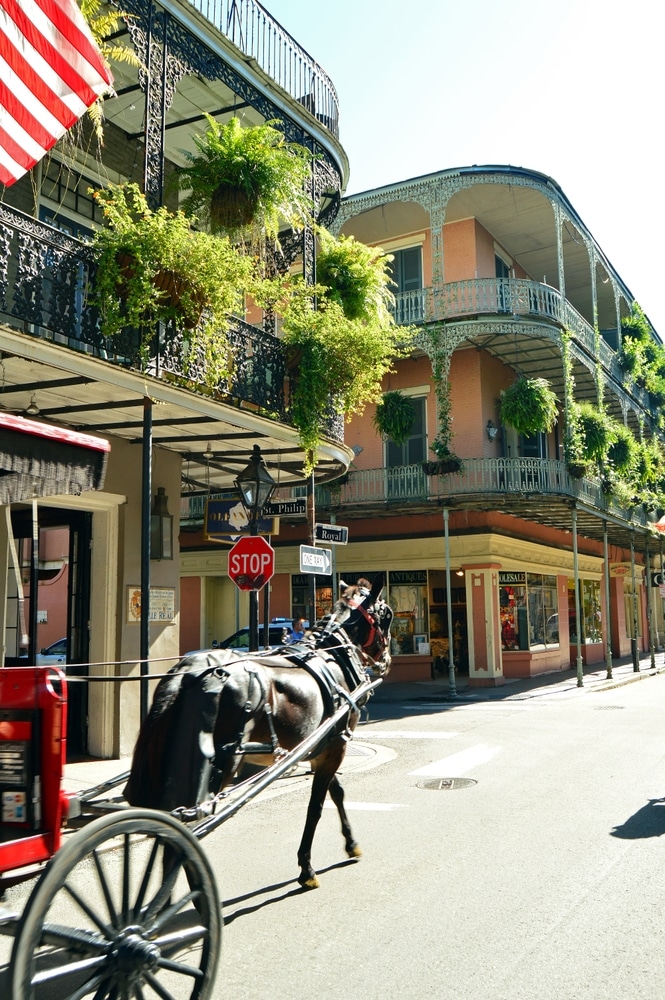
x,y
231,208
529,405
394,417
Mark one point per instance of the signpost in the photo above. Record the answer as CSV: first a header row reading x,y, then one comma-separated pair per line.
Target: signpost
x,y
285,508
251,562
336,534
316,561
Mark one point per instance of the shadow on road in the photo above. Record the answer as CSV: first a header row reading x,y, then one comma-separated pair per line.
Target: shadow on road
x,y
649,821
296,891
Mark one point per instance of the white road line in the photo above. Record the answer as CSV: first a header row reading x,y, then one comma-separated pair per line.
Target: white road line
x,y
458,763
490,706
402,734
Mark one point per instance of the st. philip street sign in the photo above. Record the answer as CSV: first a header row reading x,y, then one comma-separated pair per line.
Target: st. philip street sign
x,y
335,534
251,562
317,561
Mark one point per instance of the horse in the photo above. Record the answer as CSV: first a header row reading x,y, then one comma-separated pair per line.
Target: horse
x,y
216,708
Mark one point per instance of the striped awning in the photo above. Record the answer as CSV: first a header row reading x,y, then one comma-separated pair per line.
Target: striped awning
x,y
39,460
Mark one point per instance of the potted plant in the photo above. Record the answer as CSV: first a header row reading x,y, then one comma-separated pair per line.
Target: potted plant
x,y
247,178
622,450
394,416
152,267
597,432
355,276
529,405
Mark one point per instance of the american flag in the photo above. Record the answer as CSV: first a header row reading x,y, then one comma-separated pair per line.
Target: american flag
x,y
51,72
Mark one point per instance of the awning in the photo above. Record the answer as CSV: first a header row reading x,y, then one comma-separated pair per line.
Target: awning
x,y
39,460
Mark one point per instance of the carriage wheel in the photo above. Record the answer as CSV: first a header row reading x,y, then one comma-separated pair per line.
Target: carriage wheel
x,y
109,919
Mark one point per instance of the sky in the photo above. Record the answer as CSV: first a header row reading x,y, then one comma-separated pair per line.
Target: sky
x,y
571,88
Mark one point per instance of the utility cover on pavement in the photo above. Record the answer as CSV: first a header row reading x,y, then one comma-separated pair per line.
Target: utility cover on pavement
x,y
446,784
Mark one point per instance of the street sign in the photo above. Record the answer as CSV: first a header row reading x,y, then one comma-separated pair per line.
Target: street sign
x,y
317,561
336,534
285,508
251,562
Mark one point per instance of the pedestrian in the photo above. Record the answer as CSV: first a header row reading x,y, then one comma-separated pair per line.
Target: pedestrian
x,y
297,631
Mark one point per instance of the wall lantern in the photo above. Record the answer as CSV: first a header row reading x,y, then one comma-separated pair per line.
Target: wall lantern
x,y
161,527
255,485
492,431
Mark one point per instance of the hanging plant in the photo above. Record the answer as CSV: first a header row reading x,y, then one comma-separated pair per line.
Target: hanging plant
x,y
529,405
247,178
394,416
355,276
152,267
597,432
622,450
341,362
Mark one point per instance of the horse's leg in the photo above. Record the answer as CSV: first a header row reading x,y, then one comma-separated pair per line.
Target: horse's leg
x,y
325,770
337,795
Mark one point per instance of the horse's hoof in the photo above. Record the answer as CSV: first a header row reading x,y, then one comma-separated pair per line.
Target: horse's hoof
x,y
353,851
309,882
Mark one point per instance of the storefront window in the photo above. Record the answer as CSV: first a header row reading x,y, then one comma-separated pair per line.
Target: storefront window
x,y
529,611
300,596
407,596
589,611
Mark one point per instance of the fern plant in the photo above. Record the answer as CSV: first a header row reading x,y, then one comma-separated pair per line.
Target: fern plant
x,y
245,180
394,416
356,276
103,21
529,405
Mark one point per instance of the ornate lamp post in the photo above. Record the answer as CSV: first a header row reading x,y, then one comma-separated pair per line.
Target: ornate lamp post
x,y
255,485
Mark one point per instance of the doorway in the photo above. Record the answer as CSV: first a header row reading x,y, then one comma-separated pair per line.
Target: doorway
x,y
55,614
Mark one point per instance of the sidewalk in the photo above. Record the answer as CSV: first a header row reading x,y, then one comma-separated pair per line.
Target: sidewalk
x,y
561,682
82,775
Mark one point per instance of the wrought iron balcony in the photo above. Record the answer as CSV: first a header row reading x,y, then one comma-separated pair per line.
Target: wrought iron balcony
x,y
256,33
45,281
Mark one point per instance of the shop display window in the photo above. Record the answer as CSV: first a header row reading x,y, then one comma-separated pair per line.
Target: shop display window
x,y
528,611
407,596
589,610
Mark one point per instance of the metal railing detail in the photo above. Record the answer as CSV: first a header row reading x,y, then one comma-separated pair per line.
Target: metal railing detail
x,y
46,280
253,30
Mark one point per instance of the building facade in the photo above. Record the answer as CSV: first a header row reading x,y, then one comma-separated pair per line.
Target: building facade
x,y
170,430
522,562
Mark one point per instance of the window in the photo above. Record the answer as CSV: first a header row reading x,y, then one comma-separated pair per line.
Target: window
x,y
528,611
589,610
407,596
407,274
405,477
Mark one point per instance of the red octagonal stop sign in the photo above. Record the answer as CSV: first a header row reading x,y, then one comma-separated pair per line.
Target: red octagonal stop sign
x,y
251,562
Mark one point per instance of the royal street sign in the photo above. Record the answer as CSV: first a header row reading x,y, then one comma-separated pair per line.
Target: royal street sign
x,y
335,534
317,561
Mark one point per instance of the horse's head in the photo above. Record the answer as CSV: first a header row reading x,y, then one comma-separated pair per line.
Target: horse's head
x,y
366,619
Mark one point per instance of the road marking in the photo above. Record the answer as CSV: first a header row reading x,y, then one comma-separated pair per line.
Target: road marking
x,y
491,706
458,763
368,806
402,734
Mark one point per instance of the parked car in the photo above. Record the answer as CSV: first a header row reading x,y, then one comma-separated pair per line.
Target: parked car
x,y
276,632
56,653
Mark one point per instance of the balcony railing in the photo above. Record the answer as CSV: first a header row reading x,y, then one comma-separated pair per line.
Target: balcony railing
x,y
514,296
408,484
256,33
45,280
502,476
411,307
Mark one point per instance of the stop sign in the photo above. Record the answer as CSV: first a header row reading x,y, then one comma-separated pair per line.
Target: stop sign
x,y
251,562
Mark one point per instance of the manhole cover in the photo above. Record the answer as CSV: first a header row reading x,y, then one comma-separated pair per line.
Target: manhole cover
x,y
446,784
608,708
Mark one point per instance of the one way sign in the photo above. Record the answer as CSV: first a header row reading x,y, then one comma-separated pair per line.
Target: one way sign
x,y
313,560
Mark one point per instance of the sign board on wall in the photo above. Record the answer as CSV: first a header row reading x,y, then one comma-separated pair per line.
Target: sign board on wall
x,y
226,521
162,604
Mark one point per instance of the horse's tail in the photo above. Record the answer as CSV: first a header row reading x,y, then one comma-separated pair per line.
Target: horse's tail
x,y
173,752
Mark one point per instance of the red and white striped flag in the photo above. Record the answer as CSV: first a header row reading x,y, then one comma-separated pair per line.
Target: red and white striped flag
x,y
51,71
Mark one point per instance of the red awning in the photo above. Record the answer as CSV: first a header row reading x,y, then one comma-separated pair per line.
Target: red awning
x,y
39,460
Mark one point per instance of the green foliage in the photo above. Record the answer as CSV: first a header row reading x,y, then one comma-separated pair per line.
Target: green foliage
x,y
597,432
342,361
103,21
394,416
247,180
357,277
529,405
622,450
140,253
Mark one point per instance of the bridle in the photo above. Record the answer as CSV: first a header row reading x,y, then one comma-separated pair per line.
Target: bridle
x,y
376,637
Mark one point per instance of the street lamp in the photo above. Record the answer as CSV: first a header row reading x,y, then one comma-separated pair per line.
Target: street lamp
x,y
255,485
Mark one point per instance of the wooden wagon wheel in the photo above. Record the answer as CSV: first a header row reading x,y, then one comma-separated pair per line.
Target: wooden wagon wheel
x,y
142,930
